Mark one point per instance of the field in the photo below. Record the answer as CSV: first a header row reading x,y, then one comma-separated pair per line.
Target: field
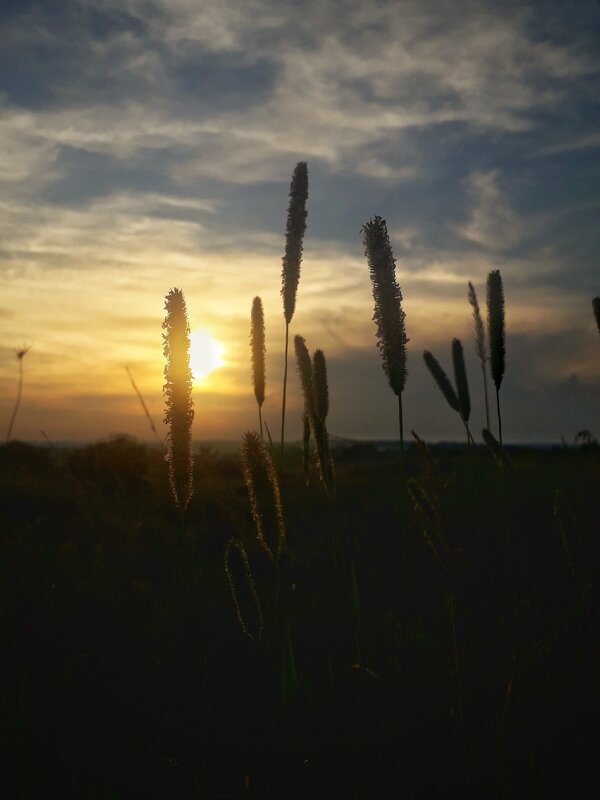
x,y
416,645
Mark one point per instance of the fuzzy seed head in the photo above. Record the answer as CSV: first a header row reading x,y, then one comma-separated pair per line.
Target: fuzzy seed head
x,y
177,391
264,494
388,314
441,379
495,307
320,387
243,590
596,307
479,330
294,235
257,345
306,374
460,379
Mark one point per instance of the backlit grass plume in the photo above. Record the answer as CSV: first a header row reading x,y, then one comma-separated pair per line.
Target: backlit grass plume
x,y
596,307
313,379
480,346
462,384
495,309
388,315
264,494
257,344
290,273
320,387
243,590
458,399
177,391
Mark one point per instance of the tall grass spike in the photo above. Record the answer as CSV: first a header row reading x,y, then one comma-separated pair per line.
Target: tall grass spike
x,y
177,391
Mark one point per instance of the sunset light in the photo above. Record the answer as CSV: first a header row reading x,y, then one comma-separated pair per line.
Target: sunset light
x,y
206,354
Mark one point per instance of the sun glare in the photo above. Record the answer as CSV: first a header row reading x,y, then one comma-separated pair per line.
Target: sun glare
x,y
206,354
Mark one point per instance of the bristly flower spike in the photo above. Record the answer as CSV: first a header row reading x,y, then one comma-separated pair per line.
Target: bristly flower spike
x,y
264,494
257,344
320,387
441,379
462,384
480,346
596,307
290,273
177,391
388,314
294,235
495,308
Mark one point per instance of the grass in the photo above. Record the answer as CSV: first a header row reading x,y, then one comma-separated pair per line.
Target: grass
x,y
124,671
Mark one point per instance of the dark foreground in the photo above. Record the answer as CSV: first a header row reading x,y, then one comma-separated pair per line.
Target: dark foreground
x,y
400,672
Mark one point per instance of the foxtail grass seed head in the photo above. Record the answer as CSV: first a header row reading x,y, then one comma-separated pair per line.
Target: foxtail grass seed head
x,y
306,374
257,344
596,307
320,387
264,494
294,235
460,379
495,308
243,590
388,315
479,330
177,391
441,379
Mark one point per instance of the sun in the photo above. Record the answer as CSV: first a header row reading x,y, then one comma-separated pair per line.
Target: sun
x,y
206,354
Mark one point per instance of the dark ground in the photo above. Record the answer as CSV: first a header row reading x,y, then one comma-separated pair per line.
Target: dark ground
x,y
124,671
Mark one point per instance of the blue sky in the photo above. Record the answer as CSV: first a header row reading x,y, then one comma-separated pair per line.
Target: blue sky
x,y
151,144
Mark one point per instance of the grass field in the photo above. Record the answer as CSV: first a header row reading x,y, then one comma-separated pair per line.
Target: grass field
x,y
124,670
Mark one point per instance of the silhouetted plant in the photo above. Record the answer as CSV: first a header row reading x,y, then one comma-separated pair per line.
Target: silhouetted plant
x,y
388,315
441,379
177,390
20,354
459,401
257,344
321,409
320,387
480,346
314,390
264,494
142,403
243,590
290,274
596,307
462,384
495,308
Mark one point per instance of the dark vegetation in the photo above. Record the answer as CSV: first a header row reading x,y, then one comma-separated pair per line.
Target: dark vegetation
x,y
124,671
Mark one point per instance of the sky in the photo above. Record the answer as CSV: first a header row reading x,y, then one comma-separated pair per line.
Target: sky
x,y
149,144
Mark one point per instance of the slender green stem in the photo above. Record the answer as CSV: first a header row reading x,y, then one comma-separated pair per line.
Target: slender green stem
x,y
260,422
499,417
285,372
18,402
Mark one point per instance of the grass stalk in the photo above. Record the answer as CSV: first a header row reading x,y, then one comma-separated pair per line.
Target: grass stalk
x,y
389,315
290,273
20,356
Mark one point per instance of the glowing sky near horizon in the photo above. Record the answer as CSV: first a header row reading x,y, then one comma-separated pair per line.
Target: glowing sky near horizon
x,y
146,144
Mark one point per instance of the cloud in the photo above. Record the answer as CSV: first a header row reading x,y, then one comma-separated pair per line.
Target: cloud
x,y
492,223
